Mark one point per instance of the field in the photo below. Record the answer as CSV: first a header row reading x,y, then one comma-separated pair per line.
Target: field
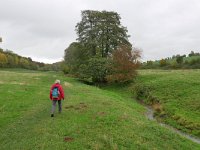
x,y
179,94
92,118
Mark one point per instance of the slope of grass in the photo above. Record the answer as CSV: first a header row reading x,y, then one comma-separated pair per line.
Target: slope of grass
x,y
92,118
178,92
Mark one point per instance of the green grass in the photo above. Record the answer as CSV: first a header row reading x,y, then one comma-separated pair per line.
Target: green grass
x,y
93,118
179,94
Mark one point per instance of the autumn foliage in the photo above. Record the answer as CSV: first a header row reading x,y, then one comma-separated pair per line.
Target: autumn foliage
x,y
102,52
124,62
8,59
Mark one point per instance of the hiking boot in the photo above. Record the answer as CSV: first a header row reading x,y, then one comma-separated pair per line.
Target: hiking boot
x,y
52,115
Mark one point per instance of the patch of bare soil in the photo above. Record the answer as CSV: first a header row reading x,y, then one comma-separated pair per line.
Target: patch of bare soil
x,y
80,106
68,107
68,139
106,103
157,107
99,114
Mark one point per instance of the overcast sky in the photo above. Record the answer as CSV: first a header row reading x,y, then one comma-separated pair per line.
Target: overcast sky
x,y
42,29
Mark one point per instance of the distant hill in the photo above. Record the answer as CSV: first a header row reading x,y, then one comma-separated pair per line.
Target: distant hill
x,y
9,59
191,61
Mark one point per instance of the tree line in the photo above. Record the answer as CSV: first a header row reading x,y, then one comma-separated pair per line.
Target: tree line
x,y
190,61
102,52
8,59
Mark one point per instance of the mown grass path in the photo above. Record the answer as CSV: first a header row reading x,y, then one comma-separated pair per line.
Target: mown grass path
x,y
92,118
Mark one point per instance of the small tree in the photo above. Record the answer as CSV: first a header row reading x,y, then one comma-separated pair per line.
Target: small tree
x,y
11,61
191,54
174,65
149,63
3,60
24,63
179,59
163,62
124,62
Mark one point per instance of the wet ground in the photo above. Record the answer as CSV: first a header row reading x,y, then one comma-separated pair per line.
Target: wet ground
x,y
150,115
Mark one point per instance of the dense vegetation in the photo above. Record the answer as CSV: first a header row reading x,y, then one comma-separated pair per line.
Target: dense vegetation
x,y
174,95
103,52
92,118
192,61
8,59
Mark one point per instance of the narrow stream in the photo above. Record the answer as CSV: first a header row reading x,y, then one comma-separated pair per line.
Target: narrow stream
x,y
149,115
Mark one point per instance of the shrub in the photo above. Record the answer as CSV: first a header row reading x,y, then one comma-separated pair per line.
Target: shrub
x,y
95,70
149,63
65,70
195,61
179,59
123,64
174,65
143,93
163,62
140,91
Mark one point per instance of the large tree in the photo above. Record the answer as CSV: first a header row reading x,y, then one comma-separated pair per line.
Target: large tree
x,y
102,43
101,32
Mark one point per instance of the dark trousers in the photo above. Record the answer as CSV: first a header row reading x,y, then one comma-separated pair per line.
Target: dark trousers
x,y
54,106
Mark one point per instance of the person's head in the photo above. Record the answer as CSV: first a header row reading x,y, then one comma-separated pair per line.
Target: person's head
x,y
57,81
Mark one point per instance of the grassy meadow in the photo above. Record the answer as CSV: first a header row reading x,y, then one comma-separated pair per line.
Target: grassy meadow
x,y
179,94
92,118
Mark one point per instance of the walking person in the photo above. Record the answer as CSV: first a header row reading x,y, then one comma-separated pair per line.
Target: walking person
x,y
56,95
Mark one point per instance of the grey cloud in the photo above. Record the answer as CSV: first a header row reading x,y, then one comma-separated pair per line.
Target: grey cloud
x,y
42,29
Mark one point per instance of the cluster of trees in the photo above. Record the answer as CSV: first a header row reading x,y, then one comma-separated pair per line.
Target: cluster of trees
x,y
8,59
102,52
192,61
192,53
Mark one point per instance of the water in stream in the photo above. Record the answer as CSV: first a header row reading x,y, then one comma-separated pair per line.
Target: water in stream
x,y
150,116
